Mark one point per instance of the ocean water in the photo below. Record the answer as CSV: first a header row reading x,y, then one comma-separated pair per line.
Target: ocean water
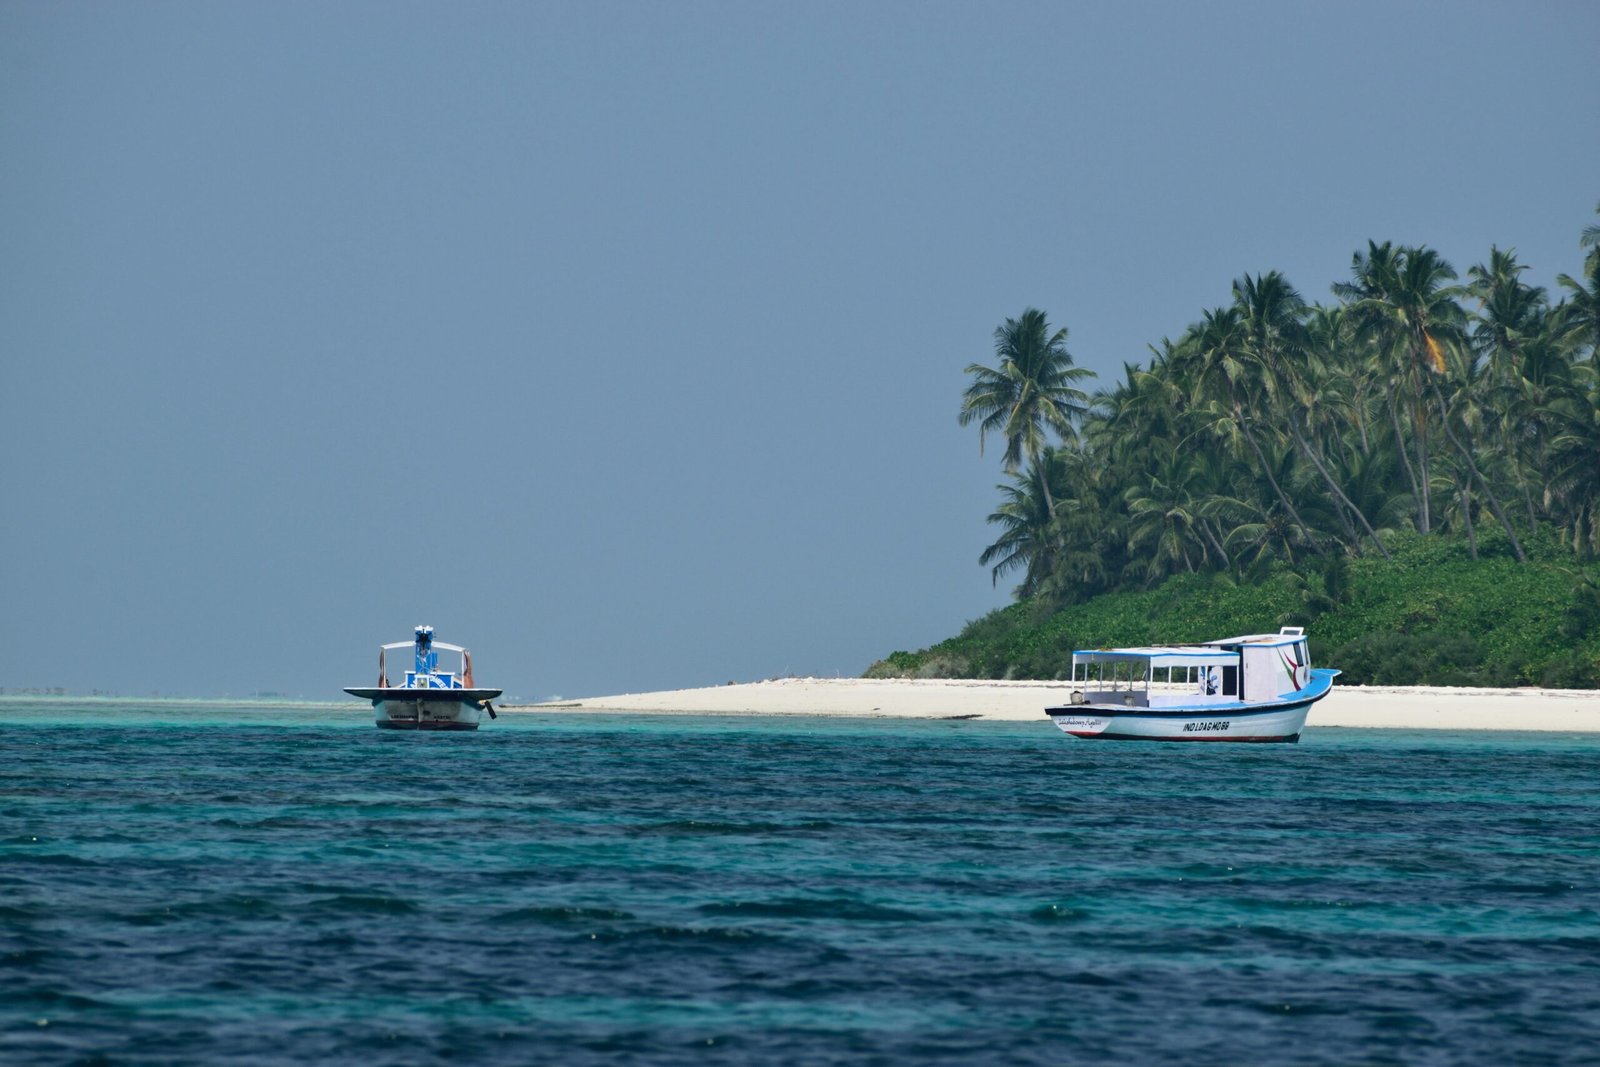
x,y
282,885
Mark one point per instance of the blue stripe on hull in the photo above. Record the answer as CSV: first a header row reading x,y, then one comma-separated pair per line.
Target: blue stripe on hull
x,y
1292,739
1321,684
1209,711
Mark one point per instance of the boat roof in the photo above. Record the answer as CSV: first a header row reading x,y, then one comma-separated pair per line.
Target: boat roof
x,y
1199,655
1266,640
1157,655
412,644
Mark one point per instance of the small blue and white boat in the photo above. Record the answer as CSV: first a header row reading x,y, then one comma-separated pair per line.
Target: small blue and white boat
x,y
1253,688
430,699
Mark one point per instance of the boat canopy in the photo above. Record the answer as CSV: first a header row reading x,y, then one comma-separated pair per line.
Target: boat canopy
x,y
1156,656
1289,635
412,644
426,673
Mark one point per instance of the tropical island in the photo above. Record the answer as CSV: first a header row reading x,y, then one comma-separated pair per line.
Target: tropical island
x,y
1411,471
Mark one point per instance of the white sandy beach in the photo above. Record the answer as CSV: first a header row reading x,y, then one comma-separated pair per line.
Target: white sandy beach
x,y
1371,706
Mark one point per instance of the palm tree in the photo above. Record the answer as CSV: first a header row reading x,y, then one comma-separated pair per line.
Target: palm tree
x,y
1166,524
1089,539
1511,316
1273,314
1224,374
1579,317
1271,424
1370,481
1261,533
1574,476
1032,391
1336,353
1399,298
1026,538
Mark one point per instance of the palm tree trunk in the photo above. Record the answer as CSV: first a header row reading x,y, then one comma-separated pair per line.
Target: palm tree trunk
x,y
1400,446
1541,457
1352,535
1333,487
1415,349
1205,528
1424,476
1522,482
1488,494
1266,469
1052,532
1514,455
1466,519
1043,473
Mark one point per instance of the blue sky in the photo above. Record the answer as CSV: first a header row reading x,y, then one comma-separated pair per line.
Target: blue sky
x,y
623,342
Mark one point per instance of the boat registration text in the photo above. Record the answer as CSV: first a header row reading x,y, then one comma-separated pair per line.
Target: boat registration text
x,y
1206,727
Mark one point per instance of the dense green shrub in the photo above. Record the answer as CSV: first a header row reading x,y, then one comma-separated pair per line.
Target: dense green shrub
x,y
1434,616
1418,659
1582,616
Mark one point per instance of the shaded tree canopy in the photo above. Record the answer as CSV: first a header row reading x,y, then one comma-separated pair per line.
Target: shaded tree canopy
x,y
1274,430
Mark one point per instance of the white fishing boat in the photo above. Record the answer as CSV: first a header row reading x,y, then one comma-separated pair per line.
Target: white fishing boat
x,y
1254,688
430,699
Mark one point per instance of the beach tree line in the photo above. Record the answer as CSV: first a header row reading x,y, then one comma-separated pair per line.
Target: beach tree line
x,y
1276,431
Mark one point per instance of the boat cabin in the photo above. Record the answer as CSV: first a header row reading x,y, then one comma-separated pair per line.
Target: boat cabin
x,y
1250,669
425,672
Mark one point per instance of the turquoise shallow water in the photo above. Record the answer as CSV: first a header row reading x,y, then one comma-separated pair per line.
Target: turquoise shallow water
x,y
201,883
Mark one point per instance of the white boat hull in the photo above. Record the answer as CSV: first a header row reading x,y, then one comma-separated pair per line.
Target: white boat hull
x,y
427,709
422,714
1104,723
1276,721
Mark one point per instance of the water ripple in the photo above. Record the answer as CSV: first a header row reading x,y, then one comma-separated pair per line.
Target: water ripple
x,y
217,888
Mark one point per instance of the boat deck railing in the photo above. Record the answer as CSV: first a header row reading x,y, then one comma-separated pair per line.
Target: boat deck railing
x,y
1131,698
1156,696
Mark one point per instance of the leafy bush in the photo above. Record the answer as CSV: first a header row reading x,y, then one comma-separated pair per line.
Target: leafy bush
x,y
1582,616
1417,659
896,665
1579,672
1432,617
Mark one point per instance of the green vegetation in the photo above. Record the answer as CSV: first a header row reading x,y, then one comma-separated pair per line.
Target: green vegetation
x,y
1412,471
1431,616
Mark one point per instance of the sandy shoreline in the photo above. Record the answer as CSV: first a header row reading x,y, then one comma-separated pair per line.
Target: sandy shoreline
x,y
1367,706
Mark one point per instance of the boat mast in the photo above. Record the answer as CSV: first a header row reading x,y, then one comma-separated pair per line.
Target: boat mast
x,y
427,658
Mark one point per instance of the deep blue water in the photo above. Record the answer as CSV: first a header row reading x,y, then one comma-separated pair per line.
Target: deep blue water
x,y
207,884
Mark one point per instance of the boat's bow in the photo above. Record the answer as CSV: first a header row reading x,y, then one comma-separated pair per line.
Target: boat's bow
x,y
403,708
375,693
